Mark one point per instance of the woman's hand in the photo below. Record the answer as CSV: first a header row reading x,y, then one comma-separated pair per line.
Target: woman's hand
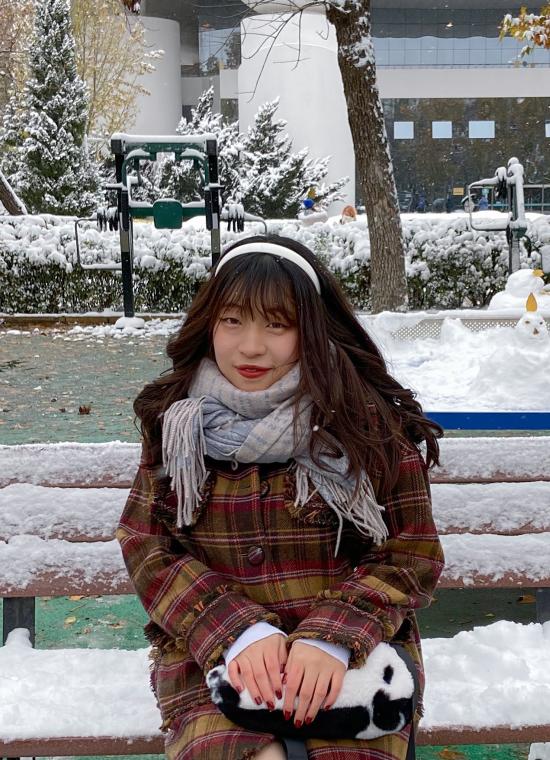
x,y
314,677
259,668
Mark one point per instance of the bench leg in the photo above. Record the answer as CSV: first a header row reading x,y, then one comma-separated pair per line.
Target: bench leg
x,y
543,605
18,613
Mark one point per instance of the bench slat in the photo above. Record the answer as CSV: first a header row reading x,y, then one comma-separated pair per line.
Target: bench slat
x,y
82,746
30,566
65,684
152,745
497,735
466,460
92,514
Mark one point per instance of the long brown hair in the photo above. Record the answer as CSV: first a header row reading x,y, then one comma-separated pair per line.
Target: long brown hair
x,y
357,402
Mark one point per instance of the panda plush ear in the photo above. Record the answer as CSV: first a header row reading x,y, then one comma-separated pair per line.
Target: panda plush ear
x,y
377,699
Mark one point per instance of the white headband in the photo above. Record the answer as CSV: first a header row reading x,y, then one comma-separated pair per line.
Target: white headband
x,y
275,250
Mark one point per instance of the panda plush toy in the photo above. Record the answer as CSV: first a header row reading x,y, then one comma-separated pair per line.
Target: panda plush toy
x,y
376,699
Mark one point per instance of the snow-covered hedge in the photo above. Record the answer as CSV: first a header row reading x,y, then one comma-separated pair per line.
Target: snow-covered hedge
x,y
448,265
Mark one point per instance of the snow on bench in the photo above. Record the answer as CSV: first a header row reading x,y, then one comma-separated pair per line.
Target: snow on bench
x,y
59,506
32,566
468,460
493,680
91,514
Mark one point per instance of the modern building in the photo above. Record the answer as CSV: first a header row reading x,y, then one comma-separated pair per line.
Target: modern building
x,y
458,100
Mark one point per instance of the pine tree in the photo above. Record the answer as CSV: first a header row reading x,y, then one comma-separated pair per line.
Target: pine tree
x,y
181,180
48,163
258,167
273,179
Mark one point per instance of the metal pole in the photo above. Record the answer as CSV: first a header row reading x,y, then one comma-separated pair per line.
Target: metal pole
x,y
18,612
125,229
212,200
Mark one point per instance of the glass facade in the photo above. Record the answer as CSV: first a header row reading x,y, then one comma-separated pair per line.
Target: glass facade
x,y
218,48
437,168
457,37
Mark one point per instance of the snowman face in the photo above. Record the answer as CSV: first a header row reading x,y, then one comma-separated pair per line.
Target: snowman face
x,y
532,326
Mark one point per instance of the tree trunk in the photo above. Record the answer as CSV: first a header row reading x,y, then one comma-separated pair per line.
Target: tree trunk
x,y
9,199
351,20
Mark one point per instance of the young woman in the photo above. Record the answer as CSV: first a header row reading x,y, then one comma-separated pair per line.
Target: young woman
x,y
280,519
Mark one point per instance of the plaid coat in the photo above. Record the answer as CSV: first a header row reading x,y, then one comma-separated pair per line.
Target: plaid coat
x,y
252,555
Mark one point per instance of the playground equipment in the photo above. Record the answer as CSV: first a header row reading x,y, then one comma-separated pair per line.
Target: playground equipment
x,y
508,186
167,213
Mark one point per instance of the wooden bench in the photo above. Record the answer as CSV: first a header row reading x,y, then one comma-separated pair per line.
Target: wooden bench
x,y
60,505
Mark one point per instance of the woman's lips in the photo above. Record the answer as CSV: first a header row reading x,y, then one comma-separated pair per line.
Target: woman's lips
x,y
251,373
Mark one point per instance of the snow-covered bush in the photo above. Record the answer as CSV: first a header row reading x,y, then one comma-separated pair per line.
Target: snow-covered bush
x,y
448,266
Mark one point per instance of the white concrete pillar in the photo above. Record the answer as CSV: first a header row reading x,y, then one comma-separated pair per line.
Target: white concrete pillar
x,y
311,92
160,111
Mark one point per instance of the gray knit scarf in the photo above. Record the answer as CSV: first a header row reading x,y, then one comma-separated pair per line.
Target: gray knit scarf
x,y
221,421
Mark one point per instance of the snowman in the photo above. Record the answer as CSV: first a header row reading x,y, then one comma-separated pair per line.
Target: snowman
x,y
532,325
518,286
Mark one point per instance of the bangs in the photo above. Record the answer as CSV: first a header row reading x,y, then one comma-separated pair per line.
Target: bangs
x,y
258,285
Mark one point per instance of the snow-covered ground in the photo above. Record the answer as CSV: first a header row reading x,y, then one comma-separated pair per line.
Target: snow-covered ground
x,y
497,368
493,369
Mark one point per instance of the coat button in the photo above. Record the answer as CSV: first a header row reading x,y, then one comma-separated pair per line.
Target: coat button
x,y
264,488
256,555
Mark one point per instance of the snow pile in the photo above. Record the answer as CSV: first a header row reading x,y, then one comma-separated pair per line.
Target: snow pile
x,y
497,675
519,286
471,371
152,327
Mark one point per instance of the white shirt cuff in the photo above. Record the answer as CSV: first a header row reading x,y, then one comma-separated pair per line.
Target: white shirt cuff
x,y
255,633
339,651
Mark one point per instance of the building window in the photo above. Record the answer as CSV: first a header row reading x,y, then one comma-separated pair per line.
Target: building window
x,y
403,130
442,129
547,128
481,129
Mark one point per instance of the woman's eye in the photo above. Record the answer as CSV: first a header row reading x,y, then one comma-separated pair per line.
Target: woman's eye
x,y
230,320
277,325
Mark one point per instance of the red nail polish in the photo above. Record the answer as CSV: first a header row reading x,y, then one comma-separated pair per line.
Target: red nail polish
x,y
279,694
282,668
239,689
327,707
283,679
298,724
270,706
308,721
287,714
258,700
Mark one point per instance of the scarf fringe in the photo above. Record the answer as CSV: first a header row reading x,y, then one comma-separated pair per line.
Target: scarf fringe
x,y
183,452
363,512
257,427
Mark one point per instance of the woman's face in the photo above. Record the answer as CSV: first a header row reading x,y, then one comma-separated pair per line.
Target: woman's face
x,y
242,343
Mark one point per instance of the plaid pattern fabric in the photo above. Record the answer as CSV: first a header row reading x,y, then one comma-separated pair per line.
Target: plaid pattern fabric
x,y
252,555
204,733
